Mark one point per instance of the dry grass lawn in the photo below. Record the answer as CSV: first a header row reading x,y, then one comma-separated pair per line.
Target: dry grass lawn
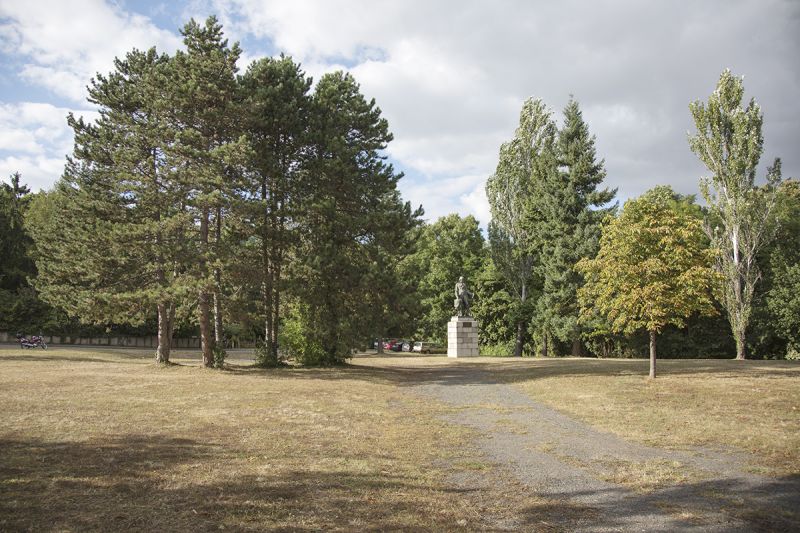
x,y
104,440
747,406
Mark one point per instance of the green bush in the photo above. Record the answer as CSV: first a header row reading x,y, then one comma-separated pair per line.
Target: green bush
x,y
502,349
792,354
219,356
297,341
266,358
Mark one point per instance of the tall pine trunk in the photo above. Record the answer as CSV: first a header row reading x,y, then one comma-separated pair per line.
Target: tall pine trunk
x,y
204,298
652,355
219,330
275,308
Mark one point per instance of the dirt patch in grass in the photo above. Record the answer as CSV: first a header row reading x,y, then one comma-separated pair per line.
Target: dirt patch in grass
x,y
750,406
104,440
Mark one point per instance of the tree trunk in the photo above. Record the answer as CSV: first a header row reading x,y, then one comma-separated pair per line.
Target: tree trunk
x,y
738,312
203,304
545,348
219,332
520,341
276,303
740,345
380,345
218,327
164,333
206,339
577,347
652,355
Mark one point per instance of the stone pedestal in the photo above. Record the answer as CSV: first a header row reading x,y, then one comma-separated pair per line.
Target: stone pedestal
x,y
462,337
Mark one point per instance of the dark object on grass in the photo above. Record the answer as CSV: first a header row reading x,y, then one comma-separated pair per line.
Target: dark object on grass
x,y
36,341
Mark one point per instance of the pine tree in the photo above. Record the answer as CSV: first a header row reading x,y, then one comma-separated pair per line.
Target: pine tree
x,y
111,238
275,93
14,241
389,303
203,93
349,189
571,210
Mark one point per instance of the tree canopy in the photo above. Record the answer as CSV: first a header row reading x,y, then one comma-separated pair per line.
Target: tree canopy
x,y
653,268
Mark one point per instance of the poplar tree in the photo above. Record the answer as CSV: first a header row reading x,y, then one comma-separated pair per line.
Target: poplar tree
x,y
112,238
729,142
571,203
514,244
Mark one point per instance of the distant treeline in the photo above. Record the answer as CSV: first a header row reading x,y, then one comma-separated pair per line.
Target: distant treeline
x,y
252,205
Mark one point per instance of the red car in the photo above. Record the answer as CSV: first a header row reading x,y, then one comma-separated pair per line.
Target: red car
x,y
393,345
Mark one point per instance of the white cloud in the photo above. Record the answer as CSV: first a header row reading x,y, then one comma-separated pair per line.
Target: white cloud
x,y
451,76
441,196
37,172
67,43
34,141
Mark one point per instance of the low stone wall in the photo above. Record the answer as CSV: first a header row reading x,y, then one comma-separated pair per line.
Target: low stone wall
x,y
124,341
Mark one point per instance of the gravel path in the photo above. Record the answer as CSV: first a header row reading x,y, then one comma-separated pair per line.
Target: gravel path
x,y
564,460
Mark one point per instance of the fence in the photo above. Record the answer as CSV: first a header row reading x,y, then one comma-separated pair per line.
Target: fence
x,y
123,341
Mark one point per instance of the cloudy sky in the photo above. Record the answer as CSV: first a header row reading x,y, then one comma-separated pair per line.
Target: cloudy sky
x,y
450,76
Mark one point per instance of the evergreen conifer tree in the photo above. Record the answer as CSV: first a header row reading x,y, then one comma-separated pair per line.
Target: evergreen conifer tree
x,y
203,93
349,190
111,239
572,210
275,95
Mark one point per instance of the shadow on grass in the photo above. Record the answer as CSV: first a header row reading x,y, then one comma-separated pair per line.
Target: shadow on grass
x,y
717,505
158,483
421,371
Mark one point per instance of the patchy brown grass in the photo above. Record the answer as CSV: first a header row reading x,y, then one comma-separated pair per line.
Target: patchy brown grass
x,y
750,406
104,440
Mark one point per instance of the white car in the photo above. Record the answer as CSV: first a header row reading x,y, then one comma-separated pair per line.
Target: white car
x,y
427,347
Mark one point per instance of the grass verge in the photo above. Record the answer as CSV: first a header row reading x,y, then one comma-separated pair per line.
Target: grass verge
x,y
750,406
104,440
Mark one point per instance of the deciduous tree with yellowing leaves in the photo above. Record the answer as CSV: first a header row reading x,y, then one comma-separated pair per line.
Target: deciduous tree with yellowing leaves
x,y
653,268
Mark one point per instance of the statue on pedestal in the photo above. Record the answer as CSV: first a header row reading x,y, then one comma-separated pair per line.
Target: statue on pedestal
x,y
463,297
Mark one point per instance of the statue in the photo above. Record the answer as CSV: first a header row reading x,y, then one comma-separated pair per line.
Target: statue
x,y
463,297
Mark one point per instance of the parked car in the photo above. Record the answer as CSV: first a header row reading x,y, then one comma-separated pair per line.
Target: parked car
x,y
407,345
427,347
393,345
